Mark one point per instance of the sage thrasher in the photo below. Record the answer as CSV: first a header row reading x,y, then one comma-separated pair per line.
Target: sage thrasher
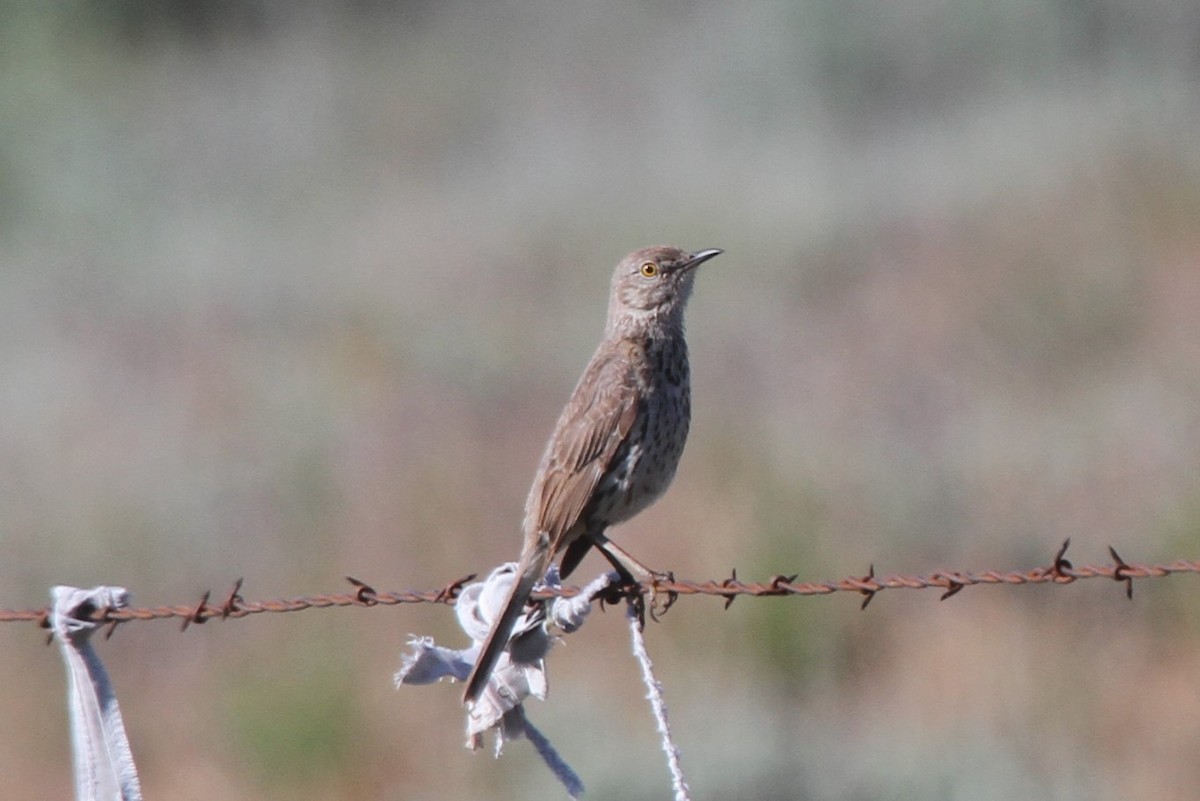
x,y
617,442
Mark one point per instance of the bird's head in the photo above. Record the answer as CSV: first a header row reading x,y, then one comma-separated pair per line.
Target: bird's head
x,y
652,286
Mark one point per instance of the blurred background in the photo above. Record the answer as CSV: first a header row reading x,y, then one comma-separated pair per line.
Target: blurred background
x,y
291,291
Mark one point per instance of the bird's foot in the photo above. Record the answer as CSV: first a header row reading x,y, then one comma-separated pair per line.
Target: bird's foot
x,y
662,597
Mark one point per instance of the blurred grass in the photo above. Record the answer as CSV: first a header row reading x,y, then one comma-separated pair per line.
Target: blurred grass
x,y
298,730
292,292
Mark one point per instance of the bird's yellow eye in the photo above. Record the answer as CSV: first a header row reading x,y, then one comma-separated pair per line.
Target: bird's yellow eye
x,y
649,269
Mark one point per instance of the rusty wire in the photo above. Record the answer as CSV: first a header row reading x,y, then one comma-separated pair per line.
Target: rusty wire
x,y
234,607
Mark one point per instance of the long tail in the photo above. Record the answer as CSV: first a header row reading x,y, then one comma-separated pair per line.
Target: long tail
x,y
530,570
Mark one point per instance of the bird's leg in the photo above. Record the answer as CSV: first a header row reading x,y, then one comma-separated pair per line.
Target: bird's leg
x,y
633,572
630,569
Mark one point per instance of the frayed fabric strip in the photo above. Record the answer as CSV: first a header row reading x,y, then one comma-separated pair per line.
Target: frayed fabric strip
x,y
521,672
104,767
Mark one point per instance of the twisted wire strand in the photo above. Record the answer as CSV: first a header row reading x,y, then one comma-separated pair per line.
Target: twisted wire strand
x,y
234,607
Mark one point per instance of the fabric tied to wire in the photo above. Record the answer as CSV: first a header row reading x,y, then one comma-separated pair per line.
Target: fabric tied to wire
x,y
521,670
104,768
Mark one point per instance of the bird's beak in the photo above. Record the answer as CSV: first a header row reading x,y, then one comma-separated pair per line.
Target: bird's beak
x,y
701,256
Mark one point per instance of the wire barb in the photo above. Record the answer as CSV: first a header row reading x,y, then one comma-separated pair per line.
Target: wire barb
x,y
233,602
1062,569
449,593
1121,572
953,589
870,587
366,595
199,613
732,583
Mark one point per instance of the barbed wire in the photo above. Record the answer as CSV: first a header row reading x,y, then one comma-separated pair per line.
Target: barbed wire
x,y
234,607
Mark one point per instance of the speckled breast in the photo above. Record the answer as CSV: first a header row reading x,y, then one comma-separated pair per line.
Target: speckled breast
x,y
644,465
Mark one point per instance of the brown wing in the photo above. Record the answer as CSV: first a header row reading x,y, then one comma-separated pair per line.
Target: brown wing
x,y
592,427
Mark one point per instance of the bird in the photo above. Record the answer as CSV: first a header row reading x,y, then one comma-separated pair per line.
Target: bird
x,y
618,440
